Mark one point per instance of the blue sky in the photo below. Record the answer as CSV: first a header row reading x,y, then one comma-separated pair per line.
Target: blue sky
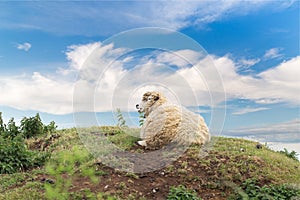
x,y
254,46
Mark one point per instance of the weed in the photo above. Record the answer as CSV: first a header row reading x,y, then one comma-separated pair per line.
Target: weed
x,y
122,186
182,193
142,119
252,190
132,175
121,120
184,164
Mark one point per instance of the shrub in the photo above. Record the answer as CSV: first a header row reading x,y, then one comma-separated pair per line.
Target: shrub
x,y
12,129
14,155
181,193
293,154
29,127
32,126
2,125
50,128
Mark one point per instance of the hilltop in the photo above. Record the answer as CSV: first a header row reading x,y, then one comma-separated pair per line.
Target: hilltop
x,y
231,169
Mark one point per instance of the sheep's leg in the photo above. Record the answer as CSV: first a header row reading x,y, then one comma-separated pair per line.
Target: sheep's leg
x,y
142,143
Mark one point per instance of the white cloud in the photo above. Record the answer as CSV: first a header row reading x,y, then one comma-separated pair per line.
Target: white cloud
x,y
105,83
245,64
177,14
25,46
279,84
273,53
181,58
37,92
77,54
192,86
248,110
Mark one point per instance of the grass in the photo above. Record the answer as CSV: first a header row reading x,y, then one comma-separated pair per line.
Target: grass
x,y
228,164
31,190
276,166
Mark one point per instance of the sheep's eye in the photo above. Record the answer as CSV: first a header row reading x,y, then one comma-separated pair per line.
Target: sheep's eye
x,y
149,98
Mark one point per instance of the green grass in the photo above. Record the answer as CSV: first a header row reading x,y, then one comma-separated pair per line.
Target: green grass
x,y
229,160
274,165
31,190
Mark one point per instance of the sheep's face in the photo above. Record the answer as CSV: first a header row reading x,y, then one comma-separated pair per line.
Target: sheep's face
x,y
148,100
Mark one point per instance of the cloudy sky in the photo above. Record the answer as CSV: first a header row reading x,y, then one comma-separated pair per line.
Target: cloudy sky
x,y
235,62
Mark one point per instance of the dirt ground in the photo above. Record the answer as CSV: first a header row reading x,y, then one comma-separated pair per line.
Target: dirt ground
x,y
186,170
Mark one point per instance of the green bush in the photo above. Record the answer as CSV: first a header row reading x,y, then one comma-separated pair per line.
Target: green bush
x,y
2,125
29,127
32,126
12,128
181,193
14,155
50,128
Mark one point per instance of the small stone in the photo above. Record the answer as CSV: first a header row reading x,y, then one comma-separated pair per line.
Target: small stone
x,y
105,187
242,150
142,176
45,180
154,190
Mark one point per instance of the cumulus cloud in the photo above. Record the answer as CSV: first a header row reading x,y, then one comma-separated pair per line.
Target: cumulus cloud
x,y
25,46
278,84
37,92
107,79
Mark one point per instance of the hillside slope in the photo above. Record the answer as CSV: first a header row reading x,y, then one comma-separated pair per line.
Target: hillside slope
x,y
231,169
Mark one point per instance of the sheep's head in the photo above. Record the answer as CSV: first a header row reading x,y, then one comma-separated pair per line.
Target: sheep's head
x,y
150,100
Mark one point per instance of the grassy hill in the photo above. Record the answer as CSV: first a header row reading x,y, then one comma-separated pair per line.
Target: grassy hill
x,y
230,169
